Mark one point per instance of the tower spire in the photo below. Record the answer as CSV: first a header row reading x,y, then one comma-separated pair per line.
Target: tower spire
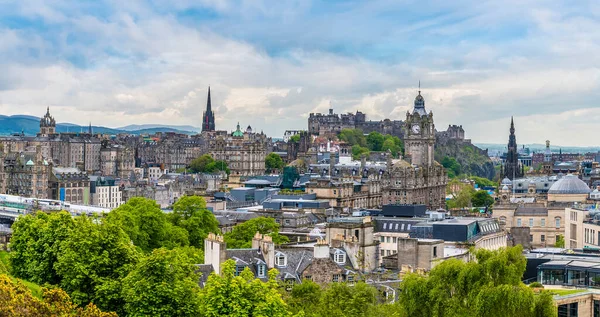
x,y
208,119
419,86
208,105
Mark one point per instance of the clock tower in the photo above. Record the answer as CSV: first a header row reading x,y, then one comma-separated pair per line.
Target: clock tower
x,y
419,134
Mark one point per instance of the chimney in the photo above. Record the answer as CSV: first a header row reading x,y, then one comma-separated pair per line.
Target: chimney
x,y
215,251
266,246
321,250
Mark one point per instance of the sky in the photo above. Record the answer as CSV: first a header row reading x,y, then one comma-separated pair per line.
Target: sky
x,y
271,63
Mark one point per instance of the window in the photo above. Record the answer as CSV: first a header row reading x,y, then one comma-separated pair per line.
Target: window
x,y
280,259
382,253
261,270
518,222
396,226
384,226
308,277
395,240
408,227
339,257
531,222
336,277
543,222
389,252
502,220
287,222
557,222
543,238
382,239
434,252
387,239
530,238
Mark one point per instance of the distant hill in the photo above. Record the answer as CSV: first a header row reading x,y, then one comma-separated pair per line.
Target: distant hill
x,y
31,125
494,149
136,127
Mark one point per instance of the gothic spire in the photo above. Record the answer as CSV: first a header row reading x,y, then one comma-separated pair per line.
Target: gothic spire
x,y
208,105
208,119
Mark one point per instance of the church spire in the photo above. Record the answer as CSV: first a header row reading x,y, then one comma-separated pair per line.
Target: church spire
x,y
208,119
208,105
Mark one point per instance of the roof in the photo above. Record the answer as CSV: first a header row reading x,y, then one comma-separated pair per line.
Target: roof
x,y
569,184
531,211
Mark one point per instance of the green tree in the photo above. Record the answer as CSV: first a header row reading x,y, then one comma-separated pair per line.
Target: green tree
x,y
190,213
560,241
206,164
491,285
305,298
94,259
375,141
146,224
163,284
481,198
353,137
241,296
341,299
463,199
394,144
242,234
35,245
358,151
199,165
482,181
295,138
452,166
273,162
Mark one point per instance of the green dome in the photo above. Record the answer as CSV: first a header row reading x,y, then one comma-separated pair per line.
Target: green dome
x,y
238,132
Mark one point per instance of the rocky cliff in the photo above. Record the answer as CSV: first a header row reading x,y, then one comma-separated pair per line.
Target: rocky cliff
x,y
473,160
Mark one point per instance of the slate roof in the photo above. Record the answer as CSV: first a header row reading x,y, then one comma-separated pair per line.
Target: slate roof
x,y
204,270
297,261
531,211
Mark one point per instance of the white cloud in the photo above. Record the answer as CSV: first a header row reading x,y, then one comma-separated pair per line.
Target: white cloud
x,y
140,66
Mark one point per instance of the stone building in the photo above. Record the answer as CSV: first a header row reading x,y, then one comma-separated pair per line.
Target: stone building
x,y
244,152
419,179
47,125
69,184
24,174
117,160
331,124
105,192
355,235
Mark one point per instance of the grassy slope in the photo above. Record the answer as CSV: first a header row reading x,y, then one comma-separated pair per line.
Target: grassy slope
x,y
35,289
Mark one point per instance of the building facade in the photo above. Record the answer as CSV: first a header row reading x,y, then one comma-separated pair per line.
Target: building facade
x,y
512,168
419,179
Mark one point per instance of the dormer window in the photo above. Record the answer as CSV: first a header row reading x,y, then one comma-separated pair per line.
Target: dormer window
x,y
280,259
339,257
261,270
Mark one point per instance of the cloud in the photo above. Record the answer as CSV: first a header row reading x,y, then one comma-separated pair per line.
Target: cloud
x,y
269,63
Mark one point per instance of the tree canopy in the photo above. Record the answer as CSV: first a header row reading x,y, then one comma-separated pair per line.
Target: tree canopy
x,y
35,245
190,213
274,162
206,164
489,286
241,296
163,284
452,166
481,198
94,258
147,225
242,234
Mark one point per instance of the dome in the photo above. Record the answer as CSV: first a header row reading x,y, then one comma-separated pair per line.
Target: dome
x,y
506,181
29,163
504,187
569,184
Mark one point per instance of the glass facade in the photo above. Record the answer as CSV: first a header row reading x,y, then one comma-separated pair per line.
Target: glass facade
x,y
575,277
568,310
551,276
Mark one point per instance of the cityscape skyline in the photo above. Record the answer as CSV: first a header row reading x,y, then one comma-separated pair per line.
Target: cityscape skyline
x,y
146,63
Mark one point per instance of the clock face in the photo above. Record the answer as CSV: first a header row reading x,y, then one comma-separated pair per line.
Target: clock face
x,y
416,128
